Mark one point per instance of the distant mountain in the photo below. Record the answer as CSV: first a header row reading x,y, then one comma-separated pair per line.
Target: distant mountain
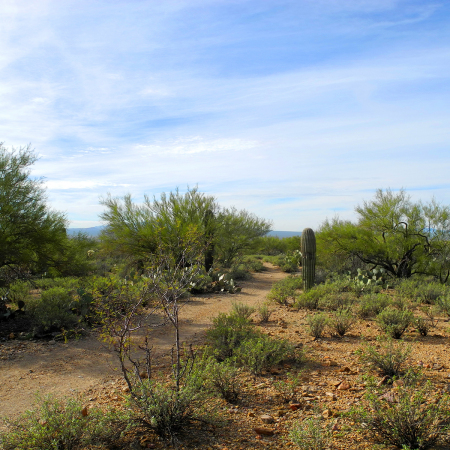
x,y
95,231
91,231
284,234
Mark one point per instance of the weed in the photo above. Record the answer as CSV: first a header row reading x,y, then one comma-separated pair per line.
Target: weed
x,y
264,312
241,310
223,378
372,304
389,358
394,322
317,324
288,389
341,322
423,325
309,435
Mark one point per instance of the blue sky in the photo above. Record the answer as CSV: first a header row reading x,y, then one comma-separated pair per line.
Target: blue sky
x,y
294,110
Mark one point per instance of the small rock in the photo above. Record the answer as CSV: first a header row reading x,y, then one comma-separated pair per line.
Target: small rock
x,y
330,363
331,395
84,411
327,414
52,342
345,369
263,431
384,380
125,389
398,383
343,386
295,406
266,418
251,414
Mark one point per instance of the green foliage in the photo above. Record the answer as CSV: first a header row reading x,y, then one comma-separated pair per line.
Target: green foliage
x,y
372,304
388,357
242,310
310,435
421,290
366,279
317,324
227,334
394,322
338,301
341,322
284,290
273,245
444,304
223,379
60,425
53,311
263,352
264,313
395,234
137,231
31,235
423,325
287,389
309,300
414,420
290,262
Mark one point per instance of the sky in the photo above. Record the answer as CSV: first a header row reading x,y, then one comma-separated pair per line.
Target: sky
x,y
296,111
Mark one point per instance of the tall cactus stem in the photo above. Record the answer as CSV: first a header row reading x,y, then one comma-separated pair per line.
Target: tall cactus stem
x,y
308,258
209,234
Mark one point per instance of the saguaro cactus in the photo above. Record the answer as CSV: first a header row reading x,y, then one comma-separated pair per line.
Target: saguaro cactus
x,y
308,258
209,225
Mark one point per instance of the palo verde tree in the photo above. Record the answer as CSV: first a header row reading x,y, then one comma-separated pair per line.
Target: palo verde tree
x,y
32,236
138,230
395,233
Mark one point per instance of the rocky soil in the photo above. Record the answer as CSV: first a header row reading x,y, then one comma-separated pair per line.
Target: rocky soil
x,y
331,378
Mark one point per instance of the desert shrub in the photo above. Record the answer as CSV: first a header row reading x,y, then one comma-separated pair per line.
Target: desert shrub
x,y
444,304
317,324
428,293
19,291
165,408
241,310
338,301
372,304
254,263
263,352
62,425
309,300
223,379
414,420
52,311
389,358
68,283
264,313
284,290
394,322
309,435
239,272
341,322
423,325
287,389
227,333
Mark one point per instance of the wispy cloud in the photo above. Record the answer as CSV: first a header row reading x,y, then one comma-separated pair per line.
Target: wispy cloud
x,y
319,102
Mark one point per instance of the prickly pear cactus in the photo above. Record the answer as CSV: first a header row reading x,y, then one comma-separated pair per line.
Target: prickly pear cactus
x,y
308,258
375,277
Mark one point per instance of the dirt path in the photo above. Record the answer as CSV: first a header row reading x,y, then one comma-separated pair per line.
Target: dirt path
x,y
88,366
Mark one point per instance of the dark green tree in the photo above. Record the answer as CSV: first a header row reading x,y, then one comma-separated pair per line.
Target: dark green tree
x,y
32,236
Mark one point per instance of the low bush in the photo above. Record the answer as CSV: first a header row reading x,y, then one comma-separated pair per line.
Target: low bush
x,y
338,301
223,379
341,322
372,304
285,290
310,435
287,389
63,425
309,300
317,324
389,358
394,322
262,353
227,333
53,311
414,420
423,325
444,304
264,313
241,310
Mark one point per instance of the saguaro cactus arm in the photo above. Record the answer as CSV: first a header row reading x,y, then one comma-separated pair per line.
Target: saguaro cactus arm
x,y
308,258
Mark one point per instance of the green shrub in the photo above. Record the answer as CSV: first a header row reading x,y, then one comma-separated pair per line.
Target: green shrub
x,y
19,291
287,389
389,358
309,435
372,304
263,352
61,425
338,301
341,322
423,325
164,408
52,311
309,300
227,333
284,290
264,313
394,322
317,324
444,304
413,420
241,310
223,379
